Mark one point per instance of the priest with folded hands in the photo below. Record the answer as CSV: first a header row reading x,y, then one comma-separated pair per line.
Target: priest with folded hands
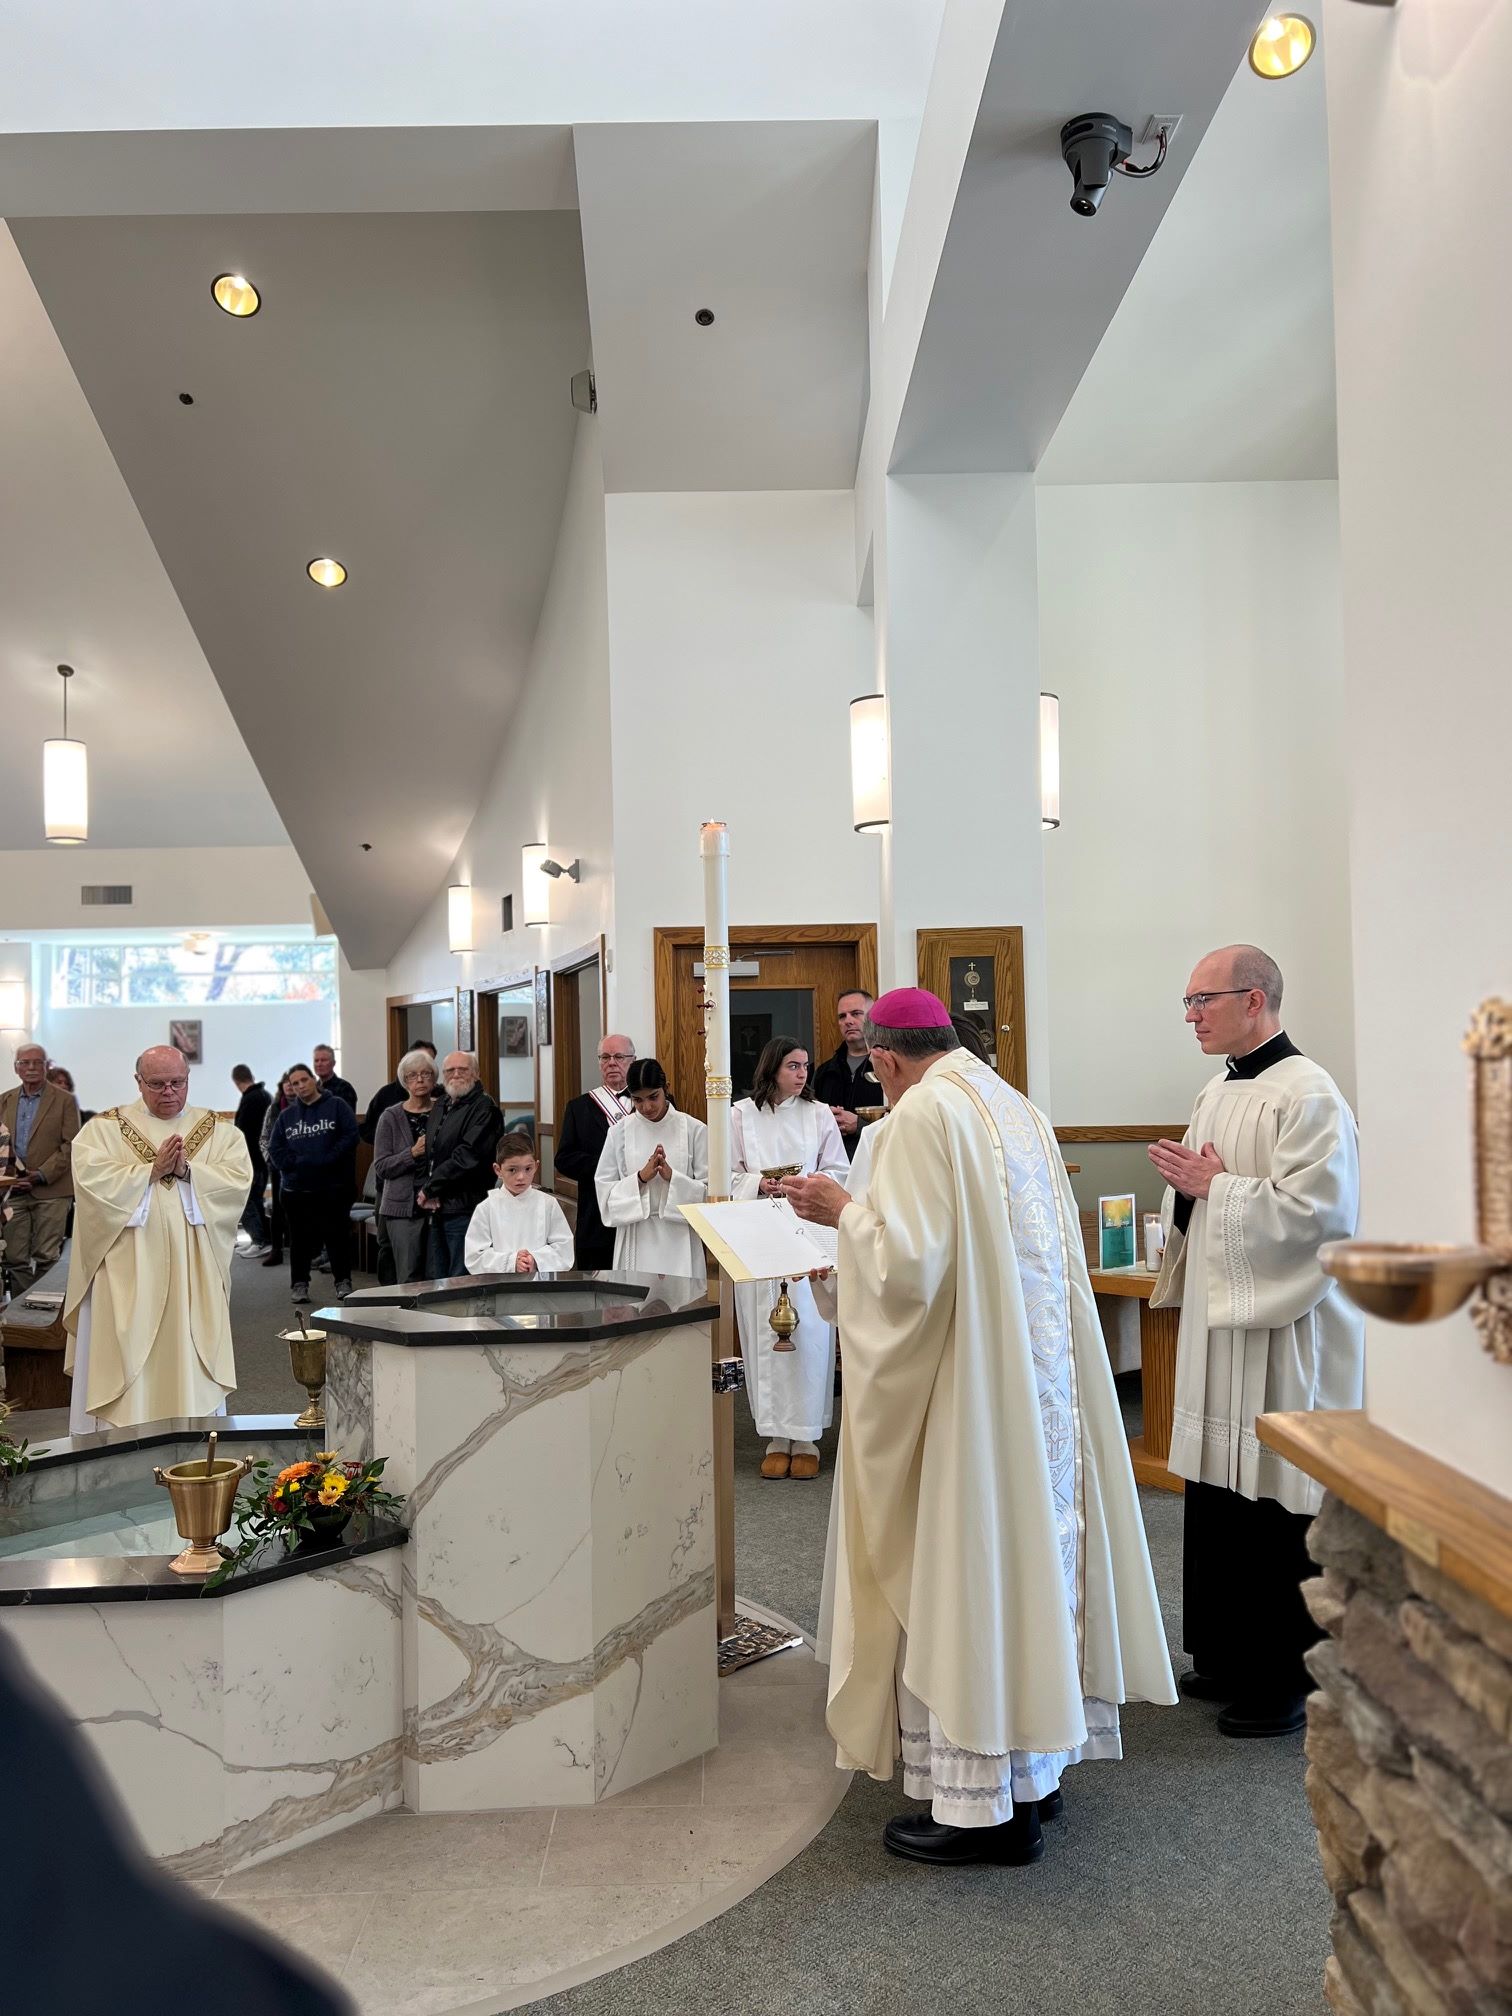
x,y
159,1188
994,1603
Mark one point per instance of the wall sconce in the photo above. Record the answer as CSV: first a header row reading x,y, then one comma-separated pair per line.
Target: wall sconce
x,y
1049,764
65,782
538,870
459,917
13,1013
871,770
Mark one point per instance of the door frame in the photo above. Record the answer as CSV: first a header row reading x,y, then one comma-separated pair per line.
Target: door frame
x,y
565,1026
669,939
488,1028
392,1010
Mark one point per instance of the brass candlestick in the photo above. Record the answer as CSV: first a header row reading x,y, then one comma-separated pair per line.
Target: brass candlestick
x,y
1420,1284
307,1361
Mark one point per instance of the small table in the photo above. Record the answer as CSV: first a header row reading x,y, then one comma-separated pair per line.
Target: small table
x,y
1157,1372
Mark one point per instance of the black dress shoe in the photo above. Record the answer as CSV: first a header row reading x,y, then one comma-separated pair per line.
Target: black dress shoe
x,y
274,1259
918,1838
1203,1687
1052,1805
1270,1715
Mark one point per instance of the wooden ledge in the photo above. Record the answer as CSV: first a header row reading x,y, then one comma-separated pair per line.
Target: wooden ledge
x,y
1460,1527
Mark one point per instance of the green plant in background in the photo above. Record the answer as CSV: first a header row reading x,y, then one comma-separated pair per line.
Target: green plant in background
x,y
14,1456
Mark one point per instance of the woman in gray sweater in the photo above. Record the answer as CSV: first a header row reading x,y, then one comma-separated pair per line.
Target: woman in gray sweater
x,y
400,1161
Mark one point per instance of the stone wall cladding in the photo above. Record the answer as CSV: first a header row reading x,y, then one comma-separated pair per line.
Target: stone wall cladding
x,y
1409,1775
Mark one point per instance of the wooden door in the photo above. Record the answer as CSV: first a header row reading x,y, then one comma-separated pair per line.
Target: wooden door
x,y
802,969
979,973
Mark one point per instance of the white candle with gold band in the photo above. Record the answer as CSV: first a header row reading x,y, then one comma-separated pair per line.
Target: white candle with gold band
x,y
714,846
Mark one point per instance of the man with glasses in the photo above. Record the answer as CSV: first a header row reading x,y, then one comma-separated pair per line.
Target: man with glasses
x,y
1267,1174
159,1187
585,1129
38,1122
461,1136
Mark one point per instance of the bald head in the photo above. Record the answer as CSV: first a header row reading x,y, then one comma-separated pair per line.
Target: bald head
x,y
1235,994
459,1072
615,1056
163,1080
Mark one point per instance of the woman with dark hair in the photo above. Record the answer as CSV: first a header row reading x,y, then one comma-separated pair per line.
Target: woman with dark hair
x,y
654,1160
791,1385
277,1226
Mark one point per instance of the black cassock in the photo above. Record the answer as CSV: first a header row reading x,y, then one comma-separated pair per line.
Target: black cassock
x,y
585,1129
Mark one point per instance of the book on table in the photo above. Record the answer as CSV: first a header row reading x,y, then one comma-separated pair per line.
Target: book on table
x,y
762,1239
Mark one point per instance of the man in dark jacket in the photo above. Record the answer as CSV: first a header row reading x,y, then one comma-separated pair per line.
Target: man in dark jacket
x,y
324,1060
585,1129
251,1110
846,1080
311,1147
462,1135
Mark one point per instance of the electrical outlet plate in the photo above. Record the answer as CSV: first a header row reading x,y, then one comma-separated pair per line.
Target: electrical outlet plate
x,y
1158,123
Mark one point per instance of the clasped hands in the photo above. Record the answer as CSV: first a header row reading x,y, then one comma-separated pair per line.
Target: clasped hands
x,y
169,1162
1191,1175
657,1166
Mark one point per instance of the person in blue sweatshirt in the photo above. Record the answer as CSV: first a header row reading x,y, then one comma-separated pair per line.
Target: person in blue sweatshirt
x,y
311,1147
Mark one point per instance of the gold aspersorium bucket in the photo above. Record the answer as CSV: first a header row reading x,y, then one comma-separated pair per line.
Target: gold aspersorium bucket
x,y
204,1495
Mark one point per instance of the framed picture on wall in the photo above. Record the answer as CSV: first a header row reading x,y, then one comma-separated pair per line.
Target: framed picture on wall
x,y
466,1033
543,1006
514,1035
188,1037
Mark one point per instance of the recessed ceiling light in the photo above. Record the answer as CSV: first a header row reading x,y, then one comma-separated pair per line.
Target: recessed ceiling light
x,y
704,318
326,573
235,293
1282,44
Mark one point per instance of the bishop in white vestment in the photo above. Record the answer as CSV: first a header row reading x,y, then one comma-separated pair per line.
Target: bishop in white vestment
x,y
159,1189
1266,1174
993,1602
653,1161
792,1392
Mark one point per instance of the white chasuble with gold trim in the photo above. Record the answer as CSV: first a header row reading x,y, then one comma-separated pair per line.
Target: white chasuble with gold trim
x,y
149,1278
989,1515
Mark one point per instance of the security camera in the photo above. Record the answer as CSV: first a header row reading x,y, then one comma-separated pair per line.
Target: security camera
x,y
1093,145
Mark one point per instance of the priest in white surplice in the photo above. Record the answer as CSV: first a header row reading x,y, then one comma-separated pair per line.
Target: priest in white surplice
x,y
993,1602
1267,1173
159,1188
654,1161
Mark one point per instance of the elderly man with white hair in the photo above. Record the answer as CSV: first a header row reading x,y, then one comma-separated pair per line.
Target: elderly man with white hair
x,y
159,1187
464,1131
38,1122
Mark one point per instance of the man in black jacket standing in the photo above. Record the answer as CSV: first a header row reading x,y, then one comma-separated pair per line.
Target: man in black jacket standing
x,y
846,1080
251,1110
585,1129
311,1147
461,1138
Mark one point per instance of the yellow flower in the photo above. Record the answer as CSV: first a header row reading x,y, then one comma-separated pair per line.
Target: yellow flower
x,y
327,1455
332,1489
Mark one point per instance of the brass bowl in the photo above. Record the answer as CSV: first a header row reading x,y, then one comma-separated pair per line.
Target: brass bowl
x,y
870,1114
203,1496
307,1361
1408,1284
783,1171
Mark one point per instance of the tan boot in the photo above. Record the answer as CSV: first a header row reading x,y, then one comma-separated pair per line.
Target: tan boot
x,y
775,1463
805,1464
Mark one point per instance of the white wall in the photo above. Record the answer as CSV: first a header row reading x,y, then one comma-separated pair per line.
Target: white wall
x,y
1192,632
1423,301
100,1045
736,648
193,888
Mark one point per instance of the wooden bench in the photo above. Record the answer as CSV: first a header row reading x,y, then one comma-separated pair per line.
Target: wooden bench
x,y
32,1343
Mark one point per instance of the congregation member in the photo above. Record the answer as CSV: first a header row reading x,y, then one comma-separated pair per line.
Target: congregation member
x,y
1267,1173
323,1057
399,1161
252,1107
993,1604
159,1186
311,1147
791,1386
278,1230
585,1128
42,1121
63,1078
392,1094
847,1081
461,1138
655,1159
518,1229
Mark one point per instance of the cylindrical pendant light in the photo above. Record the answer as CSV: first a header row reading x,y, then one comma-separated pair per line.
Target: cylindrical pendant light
x,y
535,885
65,782
871,769
459,917
1049,760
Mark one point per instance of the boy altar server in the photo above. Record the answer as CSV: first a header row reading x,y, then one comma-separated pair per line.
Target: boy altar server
x,y
518,1229
993,1601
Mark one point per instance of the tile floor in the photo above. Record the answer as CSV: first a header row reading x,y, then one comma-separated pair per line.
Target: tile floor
x,y
424,1915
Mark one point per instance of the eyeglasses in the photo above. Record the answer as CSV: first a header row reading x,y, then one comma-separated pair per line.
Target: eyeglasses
x,y
163,1084
616,1056
1191,1001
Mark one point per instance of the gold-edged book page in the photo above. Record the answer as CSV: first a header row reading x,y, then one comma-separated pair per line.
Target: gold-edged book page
x,y
761,1239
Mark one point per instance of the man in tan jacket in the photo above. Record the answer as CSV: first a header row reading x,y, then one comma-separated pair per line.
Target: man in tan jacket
x,y
41,1121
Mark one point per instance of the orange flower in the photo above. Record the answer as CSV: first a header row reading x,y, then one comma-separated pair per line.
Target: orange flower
x,y
295,1470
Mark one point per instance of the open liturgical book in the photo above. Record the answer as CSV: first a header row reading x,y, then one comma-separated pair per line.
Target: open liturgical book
x,y
762,1239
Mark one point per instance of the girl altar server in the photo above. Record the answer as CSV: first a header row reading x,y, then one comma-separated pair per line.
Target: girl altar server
x,y
792,1391
654,1160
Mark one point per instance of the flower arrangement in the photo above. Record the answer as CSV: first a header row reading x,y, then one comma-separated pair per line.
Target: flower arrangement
x,y
14,1456
303,1504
